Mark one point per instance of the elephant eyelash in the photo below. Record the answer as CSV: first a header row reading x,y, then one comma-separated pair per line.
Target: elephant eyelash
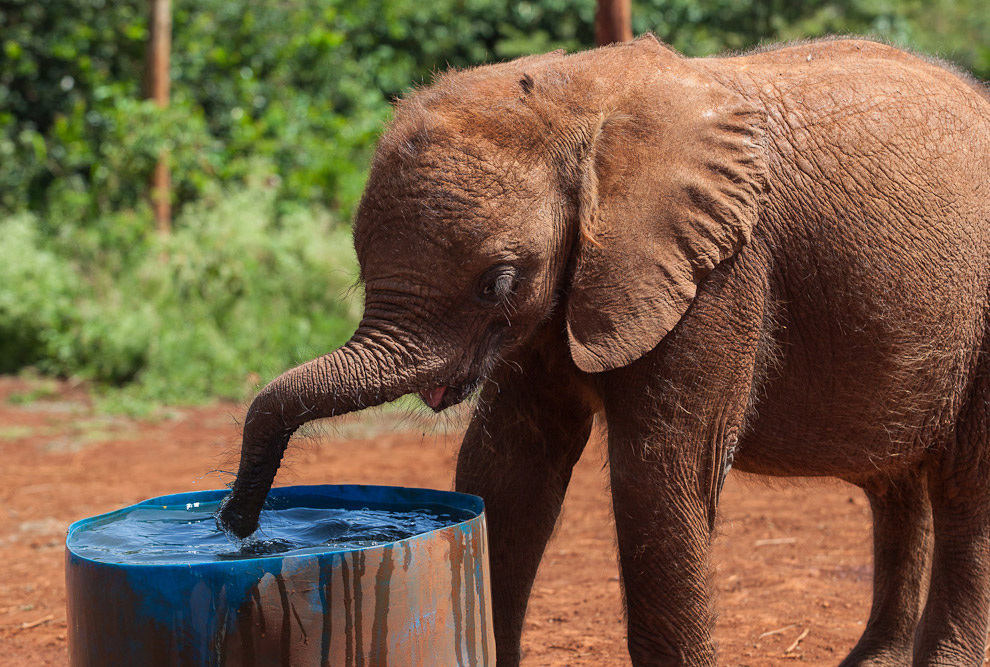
x,y
498,285
501,287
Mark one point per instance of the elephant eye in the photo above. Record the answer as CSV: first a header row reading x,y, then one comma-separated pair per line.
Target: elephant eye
x,y
497,283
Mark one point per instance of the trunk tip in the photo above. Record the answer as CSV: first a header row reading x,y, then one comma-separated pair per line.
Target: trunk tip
x,y
232,522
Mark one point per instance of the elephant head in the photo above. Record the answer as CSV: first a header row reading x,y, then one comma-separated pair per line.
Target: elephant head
x,y
607,184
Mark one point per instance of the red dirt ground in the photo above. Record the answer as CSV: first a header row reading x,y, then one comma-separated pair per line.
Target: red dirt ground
x,y
793,561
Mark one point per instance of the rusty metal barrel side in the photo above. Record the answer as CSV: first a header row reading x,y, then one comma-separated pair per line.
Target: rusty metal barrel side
x,y
420,601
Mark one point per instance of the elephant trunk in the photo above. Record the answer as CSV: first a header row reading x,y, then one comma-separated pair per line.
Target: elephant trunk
x,y
368,370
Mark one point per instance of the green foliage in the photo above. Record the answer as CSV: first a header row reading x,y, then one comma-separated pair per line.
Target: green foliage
x,y
275,108
235,295
303,86
37,297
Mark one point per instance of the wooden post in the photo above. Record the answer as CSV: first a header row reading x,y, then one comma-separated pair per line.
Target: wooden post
x,y
159,48
613,22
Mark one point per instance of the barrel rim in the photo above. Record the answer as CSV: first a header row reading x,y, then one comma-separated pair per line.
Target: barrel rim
x,y
454,500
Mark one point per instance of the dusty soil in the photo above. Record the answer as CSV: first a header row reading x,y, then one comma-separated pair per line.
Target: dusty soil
x,y
793,562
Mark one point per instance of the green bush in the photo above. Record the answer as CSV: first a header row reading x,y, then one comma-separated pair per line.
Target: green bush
x,y
77,142
239,292
38,294
236,295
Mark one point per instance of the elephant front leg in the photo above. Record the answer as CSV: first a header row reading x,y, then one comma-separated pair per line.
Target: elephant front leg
x,y
528,432
663,508
902,545
676,418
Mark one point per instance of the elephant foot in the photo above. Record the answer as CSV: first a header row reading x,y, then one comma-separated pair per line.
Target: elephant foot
x,y
878,656
510,659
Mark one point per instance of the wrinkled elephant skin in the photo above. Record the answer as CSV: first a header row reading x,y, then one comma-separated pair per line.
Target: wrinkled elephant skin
x,y
777,262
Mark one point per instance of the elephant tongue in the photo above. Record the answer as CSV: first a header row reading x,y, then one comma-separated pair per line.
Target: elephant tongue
x,y
432,397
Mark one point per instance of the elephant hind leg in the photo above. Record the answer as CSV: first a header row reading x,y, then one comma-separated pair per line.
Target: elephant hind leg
x,y
902,544
953,628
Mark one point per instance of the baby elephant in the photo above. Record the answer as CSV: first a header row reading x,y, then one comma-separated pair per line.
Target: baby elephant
x,y
778,261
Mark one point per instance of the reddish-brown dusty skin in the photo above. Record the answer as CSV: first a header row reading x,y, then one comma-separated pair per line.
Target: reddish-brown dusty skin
x,y
793,561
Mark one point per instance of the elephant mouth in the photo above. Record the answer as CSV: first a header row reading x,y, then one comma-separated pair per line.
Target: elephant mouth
x,y
433,397
440,397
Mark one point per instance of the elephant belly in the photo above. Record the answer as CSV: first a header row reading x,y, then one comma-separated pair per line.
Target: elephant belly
x,y
842,439
857,402
870,347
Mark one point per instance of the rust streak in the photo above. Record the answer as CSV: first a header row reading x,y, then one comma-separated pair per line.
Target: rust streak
x,y
469,600
379,629
246,629
456,558
348,614
299,623
286,638
358,606
326,597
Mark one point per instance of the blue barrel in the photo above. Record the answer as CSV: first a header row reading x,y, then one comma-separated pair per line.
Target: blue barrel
x,y
423,600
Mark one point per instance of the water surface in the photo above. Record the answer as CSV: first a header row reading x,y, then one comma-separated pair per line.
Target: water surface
x,y
187,533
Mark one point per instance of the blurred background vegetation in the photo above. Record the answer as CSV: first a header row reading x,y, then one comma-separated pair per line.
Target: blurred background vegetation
x,y
276,105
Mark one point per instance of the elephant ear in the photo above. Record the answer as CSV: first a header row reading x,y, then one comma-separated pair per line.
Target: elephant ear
x,y
669,187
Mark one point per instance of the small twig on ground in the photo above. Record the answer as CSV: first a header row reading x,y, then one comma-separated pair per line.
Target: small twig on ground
x,y
797,641
34,624
777,631
564,648
774,541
